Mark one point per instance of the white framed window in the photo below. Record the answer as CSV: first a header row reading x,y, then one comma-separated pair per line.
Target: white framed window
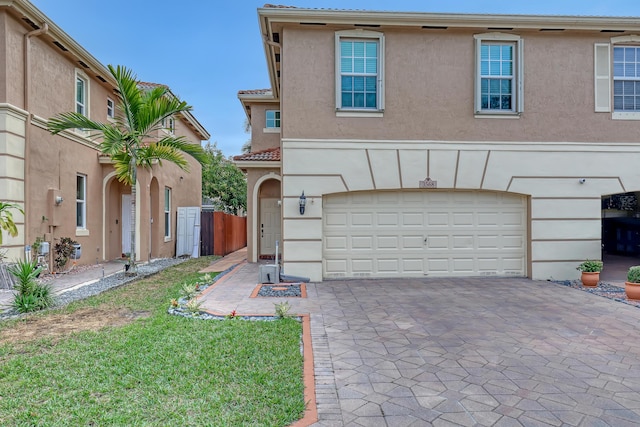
x,y
169,125
617,77
81,201
82,93
111,109
167,213
272,119
498,80
626,78
359,72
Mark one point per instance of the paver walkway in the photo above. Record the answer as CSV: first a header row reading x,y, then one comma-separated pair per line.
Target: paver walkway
x,y
449,352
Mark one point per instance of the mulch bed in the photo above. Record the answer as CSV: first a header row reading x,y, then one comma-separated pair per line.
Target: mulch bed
x,y
280,290
605,290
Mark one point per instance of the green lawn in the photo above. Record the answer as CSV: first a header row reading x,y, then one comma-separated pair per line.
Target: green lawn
x,y
160,370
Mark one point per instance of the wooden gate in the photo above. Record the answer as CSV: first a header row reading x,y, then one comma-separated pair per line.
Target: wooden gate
x,y
222,233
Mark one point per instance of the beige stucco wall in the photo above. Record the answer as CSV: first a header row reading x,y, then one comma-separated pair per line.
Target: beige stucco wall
x,y
262,138
429,89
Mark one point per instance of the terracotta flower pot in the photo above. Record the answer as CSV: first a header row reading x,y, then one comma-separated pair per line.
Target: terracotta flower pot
x,y
590,279
632,290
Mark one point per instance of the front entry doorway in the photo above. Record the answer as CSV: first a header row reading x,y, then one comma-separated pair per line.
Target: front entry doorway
x,y
270,228
126,223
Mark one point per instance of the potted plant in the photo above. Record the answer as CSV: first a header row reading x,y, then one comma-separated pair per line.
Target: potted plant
x,y
632,285
590,272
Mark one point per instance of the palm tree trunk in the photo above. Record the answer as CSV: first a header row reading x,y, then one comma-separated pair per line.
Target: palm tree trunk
x,y
133,270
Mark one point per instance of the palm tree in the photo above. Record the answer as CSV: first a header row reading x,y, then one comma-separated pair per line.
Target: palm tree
x,y
128,141
6,219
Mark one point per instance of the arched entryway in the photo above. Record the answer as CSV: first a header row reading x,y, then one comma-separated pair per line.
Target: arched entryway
x,y
269,218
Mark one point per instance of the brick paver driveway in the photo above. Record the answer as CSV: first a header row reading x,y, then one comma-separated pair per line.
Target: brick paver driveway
x,y
501,352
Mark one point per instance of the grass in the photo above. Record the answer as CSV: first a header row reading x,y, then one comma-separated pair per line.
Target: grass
x,y
158,370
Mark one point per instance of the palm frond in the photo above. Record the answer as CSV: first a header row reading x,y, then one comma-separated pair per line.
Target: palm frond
x,y
73,120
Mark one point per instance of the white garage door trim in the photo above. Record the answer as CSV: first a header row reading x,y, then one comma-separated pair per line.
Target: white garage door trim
x,y
424,233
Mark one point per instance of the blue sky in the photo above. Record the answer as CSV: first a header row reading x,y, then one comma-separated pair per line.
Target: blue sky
x,y
208,50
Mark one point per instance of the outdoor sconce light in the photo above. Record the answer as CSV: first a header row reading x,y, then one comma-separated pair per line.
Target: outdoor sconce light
x,y
59,200
303,202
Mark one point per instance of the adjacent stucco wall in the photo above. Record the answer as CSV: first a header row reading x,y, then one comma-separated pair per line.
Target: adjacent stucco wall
x,y
262,138
565,214
34,163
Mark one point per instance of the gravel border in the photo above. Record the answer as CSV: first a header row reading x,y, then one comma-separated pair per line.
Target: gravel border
x,y
603,289
104,284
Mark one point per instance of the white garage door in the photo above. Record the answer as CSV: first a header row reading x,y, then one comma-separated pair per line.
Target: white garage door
x,y
424,233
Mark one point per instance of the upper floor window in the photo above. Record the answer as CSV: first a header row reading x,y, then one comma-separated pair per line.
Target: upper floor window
x,y
272,119
359,71
626,78
82,89
81,201
623,53
111,111
169,124
498,74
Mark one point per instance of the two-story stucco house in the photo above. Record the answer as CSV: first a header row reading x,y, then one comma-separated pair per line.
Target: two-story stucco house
x,y
440,144
66,187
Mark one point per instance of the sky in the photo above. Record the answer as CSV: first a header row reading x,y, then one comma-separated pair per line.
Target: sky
x,y
208,50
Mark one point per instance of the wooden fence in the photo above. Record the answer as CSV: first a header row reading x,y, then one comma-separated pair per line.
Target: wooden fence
x,y
222,233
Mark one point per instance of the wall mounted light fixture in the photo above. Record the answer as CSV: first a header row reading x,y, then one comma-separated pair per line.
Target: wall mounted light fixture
x,y
303,202
582,180
59,200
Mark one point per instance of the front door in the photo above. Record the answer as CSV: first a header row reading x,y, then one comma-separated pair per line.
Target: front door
x,y
126,223
269,226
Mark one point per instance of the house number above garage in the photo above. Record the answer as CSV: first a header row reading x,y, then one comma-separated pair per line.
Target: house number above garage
x,y
428,183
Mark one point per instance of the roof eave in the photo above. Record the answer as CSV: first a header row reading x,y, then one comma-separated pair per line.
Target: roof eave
x,y
254,164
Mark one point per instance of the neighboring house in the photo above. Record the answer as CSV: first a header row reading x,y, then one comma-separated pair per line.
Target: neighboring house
x,y
440,144
66,187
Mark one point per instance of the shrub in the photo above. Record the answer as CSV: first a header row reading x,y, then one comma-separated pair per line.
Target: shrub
x,y
590,266
633,275
31,295
282,309
63,250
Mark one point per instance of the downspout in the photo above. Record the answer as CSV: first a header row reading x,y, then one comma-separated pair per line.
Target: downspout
x,y
27,132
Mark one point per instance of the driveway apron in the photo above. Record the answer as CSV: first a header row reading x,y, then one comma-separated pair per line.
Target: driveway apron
x,y
479,351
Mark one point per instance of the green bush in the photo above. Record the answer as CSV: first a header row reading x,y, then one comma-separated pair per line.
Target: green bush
x,y
31,295
633,275
590,266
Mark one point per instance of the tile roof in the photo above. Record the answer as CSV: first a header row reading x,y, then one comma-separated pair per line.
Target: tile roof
x,y
268,155
279,6
149,85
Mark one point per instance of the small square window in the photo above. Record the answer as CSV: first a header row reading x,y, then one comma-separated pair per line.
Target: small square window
x,y
273,119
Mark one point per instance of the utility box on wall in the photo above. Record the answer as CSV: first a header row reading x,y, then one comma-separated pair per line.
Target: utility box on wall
x,y
269,273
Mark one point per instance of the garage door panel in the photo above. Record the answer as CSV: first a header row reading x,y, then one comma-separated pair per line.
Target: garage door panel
x,y
388,242
335,220
462,242
362,265
412,242
416,233
335,243
438,242
387,220
361,219
388,266
362,242
465,219
414,265
463,265
415,219
437,219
